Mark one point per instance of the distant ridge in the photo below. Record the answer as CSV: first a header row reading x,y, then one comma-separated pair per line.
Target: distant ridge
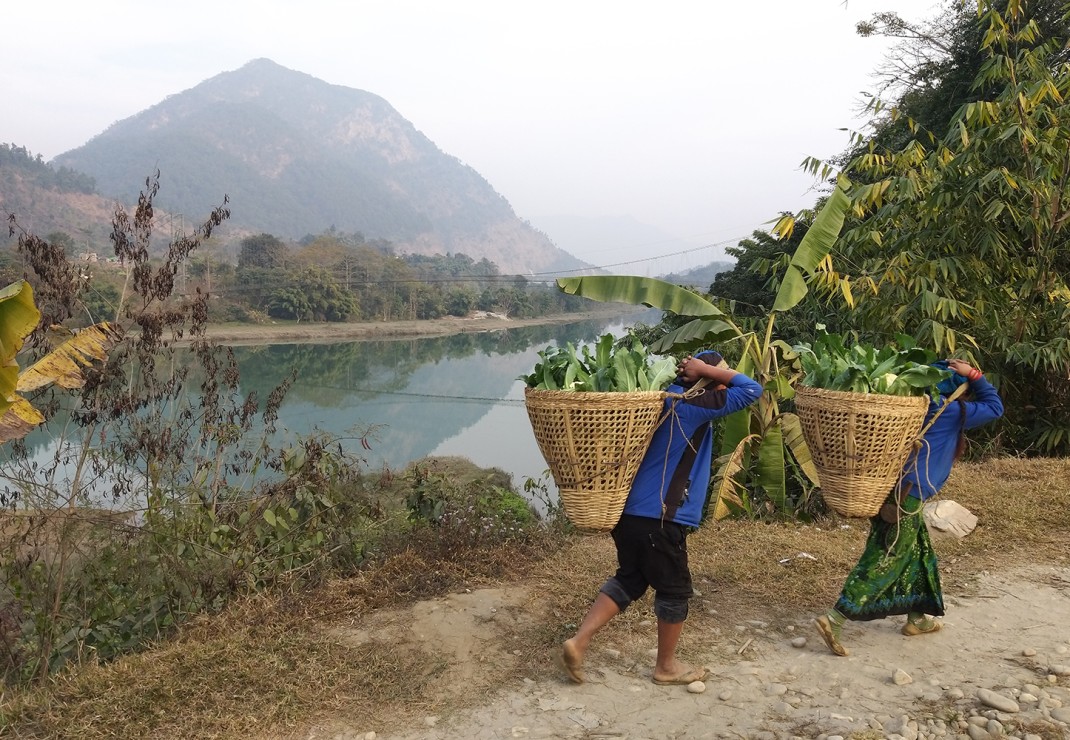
x,y
298,156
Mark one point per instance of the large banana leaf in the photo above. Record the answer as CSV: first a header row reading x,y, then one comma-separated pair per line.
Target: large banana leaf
x,y
19,420
726,488
814,247
63,365
18,317
639,291
737,427
793,437
769,468
695,335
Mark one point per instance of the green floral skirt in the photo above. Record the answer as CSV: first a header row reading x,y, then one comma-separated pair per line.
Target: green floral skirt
x,y
897,572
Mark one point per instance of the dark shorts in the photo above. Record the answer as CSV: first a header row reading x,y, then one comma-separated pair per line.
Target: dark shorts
x,y
652,554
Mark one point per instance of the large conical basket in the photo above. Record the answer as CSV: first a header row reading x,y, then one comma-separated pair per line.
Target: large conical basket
x,y
593,443
859,443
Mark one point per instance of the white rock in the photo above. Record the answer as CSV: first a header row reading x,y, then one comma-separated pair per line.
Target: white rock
x,y
798,642
725,695
901,677
954,694
1029,652
947,517
1026,698
1062,714
696,687
1059,670
520,731
997,700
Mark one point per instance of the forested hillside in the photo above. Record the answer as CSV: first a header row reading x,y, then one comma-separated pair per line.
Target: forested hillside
x,y
297,156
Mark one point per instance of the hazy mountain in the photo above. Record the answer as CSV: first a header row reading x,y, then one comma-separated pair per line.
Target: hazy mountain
x,y
699,277
297,156
623,245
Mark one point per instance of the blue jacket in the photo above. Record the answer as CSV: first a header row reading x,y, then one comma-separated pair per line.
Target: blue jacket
x,y
928,468
684,418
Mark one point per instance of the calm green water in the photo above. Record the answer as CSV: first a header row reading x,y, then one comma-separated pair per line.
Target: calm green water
x,y
456,396
443,396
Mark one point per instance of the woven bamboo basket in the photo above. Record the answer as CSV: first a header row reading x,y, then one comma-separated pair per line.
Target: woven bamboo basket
x,y
859,443
593,443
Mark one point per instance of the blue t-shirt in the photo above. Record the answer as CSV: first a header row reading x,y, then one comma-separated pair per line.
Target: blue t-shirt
x,y
928,468
670,440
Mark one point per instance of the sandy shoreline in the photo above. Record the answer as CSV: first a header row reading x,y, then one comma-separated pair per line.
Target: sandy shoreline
x,y
238,334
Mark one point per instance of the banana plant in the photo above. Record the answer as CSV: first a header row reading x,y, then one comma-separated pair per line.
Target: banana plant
x,y
757,441
62,366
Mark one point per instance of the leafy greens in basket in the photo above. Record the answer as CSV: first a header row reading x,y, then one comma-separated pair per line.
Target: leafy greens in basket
x,y
605,369
861,368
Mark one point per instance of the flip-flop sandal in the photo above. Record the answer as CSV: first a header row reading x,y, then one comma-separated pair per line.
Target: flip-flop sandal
x,y
824,626
924,627
688,677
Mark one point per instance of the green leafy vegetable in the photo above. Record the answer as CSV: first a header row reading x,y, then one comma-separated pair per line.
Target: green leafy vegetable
x,y
609,367
905,370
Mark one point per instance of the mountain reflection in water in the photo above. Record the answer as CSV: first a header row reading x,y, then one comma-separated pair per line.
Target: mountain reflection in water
x,y
441,396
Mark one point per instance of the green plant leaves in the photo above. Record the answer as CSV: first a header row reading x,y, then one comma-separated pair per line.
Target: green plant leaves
x,y
861,368
608,368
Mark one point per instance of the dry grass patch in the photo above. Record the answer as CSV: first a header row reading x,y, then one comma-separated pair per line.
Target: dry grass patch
x,y
273,668
252,671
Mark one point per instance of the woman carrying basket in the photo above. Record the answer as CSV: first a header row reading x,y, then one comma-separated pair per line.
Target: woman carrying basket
x,y
665,500
897,572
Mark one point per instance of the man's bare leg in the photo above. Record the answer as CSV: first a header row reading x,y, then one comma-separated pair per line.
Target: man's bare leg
x,y
572,651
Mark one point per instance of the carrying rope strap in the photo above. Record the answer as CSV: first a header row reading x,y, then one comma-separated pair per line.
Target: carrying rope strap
x,y
673,496
902,490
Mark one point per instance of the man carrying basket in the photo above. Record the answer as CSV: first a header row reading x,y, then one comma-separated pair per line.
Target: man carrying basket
x,y
897,572
666,498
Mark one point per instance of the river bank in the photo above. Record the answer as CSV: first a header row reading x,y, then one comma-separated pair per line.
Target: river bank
x,y
307,332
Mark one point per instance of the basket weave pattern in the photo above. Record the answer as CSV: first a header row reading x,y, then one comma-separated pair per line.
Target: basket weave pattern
x,y
593,443
859,443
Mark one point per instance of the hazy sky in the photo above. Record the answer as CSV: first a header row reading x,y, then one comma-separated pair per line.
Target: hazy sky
x,y
691,117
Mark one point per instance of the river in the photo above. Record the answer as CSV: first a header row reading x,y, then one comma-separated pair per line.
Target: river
x,y
408,399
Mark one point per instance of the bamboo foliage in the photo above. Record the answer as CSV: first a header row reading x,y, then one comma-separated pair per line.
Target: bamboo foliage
x,y
966,238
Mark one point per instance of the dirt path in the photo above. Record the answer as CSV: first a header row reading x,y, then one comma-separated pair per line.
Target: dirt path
x,y
1008,634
